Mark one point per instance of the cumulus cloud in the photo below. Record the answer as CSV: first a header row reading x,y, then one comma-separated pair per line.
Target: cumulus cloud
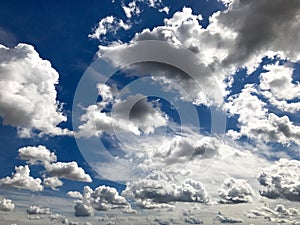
x,y
103,198
226,219
108,24
22,179
34,155
58,218
278,86
68,170
28,95
235,191
257,123
6,205
75,194
158,191
52,182
134,115
281,180
33,210
82,209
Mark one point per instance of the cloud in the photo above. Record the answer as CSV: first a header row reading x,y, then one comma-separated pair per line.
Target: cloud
x,y
52,182
235,191
158,191
134,115
58,218
33,210
35,155
82,209
226,219
27,92
104,198
281,180
279,214
278,86
22,179
75,194
68,170
108,24
6,205
257,123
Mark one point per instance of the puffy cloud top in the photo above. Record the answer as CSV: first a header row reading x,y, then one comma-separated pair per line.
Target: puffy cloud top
x,y
27,92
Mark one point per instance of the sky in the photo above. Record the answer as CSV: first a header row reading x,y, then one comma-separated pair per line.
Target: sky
x,y
149,112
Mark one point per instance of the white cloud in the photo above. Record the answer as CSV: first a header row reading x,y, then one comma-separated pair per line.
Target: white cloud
x,y
257,123
226,219
37,210
6,205
58,218
108,24
134,115
103,198
158,191
27,92
277,86
82,209
52,182
34,155
131,9
75,194
68,170
22,179
281,180
235,191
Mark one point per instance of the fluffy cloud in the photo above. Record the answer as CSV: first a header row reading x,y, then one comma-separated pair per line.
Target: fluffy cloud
x,y
28,95
82,209
32,210
158,191
281,180
75,194
68,170
134,115
235,191
34,155
6,205
257,123
108,24
22,179
103,198
52,182
278,86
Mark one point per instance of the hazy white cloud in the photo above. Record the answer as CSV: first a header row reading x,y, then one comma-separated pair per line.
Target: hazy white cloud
x,y
37,210
58,218
82,209
158,191
6,205
27,92
235,191
68,170
22,179
281,180
227,219
108,24
52,182
34,155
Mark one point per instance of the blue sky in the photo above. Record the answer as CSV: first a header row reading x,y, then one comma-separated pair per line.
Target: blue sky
x,y
150,105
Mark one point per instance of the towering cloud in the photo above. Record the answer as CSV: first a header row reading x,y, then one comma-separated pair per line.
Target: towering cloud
x,y
27,92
